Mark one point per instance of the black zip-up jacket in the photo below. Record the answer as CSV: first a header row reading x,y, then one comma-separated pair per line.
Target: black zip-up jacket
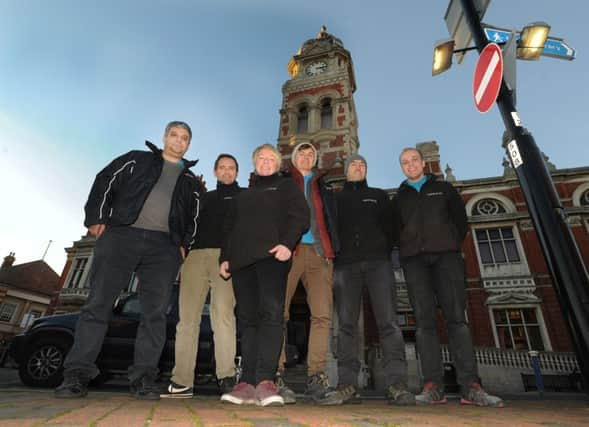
x,y
364,225
213,207
431,221
121,188
273,211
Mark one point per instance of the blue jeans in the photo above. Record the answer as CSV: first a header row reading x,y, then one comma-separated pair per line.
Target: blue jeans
x,y
377,277
440,277
119,252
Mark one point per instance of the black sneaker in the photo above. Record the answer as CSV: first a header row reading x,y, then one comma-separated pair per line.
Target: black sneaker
x,y
318,390
226,385
72,388
398,394
177,391
284,391
347,394
145,388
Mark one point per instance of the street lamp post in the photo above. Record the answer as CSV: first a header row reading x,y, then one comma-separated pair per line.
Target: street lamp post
x,y
548,215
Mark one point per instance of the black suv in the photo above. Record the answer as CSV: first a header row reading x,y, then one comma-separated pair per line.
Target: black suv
x,y
41,349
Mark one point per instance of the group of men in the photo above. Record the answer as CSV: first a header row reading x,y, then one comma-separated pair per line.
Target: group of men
x,y
151,215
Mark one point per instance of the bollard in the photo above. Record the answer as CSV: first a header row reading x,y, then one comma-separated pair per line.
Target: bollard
x,y
537,372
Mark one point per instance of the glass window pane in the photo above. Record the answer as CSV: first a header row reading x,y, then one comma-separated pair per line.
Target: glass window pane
x,y
504,338
500,316
530,315
515,317
519,338
507,233
535,338
485,251
511,249
498,252
481,235
494,234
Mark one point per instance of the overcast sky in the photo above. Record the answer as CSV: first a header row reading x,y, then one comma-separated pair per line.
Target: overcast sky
x,y
82,82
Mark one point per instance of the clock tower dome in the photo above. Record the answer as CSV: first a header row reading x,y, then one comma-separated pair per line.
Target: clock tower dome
x,y
318,104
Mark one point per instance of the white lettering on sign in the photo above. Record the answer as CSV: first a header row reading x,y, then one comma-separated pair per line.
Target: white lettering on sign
x,y
516,119
516,157
487,77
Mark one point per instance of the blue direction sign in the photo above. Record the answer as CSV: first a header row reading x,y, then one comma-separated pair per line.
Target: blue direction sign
x,y
554,47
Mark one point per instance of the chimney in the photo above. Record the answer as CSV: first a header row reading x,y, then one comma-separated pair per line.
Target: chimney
x,y
8,261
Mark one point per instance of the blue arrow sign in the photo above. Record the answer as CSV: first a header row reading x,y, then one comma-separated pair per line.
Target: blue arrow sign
x,y
554,47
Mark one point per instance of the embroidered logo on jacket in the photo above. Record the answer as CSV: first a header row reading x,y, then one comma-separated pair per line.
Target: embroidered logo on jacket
x,y
436,193
370,201
271,189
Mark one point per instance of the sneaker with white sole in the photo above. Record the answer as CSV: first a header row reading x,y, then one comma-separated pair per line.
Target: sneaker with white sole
x,y
478,397
177,391
431,395
242,394
267,394
288,395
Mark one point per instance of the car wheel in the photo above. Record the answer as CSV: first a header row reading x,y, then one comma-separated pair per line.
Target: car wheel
x,y
43,364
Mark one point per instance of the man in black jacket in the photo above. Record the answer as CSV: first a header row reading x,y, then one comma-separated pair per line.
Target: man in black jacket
x,y
142,209
200,273
429,225
364,260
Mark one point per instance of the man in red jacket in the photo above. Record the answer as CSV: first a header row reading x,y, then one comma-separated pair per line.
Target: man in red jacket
x,y
312,264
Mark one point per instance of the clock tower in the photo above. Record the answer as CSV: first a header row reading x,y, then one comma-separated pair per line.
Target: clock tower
x,y
318,104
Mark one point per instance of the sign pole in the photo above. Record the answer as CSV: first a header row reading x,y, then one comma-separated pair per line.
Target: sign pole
x,y
561,253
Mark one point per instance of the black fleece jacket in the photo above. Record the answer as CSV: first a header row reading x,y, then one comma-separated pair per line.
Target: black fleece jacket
x,y
274,211
121,188
432,220
214,206
363,223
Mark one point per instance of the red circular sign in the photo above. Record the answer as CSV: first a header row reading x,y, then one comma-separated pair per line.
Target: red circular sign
x,y
488,75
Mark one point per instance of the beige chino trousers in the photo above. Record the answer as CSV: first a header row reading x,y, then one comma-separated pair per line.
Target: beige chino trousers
x,y
200,272
316,273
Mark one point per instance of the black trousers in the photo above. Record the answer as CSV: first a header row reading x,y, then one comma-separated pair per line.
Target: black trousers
x,y
260,290
440,277
119,252
377,277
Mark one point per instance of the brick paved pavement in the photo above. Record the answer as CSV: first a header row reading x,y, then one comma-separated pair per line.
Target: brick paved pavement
x,y
39,408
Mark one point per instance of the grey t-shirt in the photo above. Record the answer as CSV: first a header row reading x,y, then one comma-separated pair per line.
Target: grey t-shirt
x,y
156,209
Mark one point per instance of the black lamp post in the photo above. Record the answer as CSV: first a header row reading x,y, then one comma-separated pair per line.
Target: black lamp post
x,y
548,215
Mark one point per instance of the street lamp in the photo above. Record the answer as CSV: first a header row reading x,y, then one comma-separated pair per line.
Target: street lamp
x,y
443,51
532,40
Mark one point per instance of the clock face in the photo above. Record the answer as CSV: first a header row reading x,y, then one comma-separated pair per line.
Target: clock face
x,y
315,68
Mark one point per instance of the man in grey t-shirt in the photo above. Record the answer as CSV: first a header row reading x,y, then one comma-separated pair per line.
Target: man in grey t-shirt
x,y
142,208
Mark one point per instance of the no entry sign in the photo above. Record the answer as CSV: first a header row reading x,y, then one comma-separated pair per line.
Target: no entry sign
x,y
487,77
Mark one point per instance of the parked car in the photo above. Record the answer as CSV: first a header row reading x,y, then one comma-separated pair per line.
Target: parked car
x,y
41,350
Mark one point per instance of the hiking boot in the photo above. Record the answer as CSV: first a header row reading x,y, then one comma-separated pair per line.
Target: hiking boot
x,y
479,397
226,385
267,394
177,391
145,388
319,392
72,388
242,394
430,395
398,394
345,394
284,391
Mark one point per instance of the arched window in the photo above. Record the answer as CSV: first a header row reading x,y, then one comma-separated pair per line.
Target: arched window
x,y
584,200
488,207
303,119
326,114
